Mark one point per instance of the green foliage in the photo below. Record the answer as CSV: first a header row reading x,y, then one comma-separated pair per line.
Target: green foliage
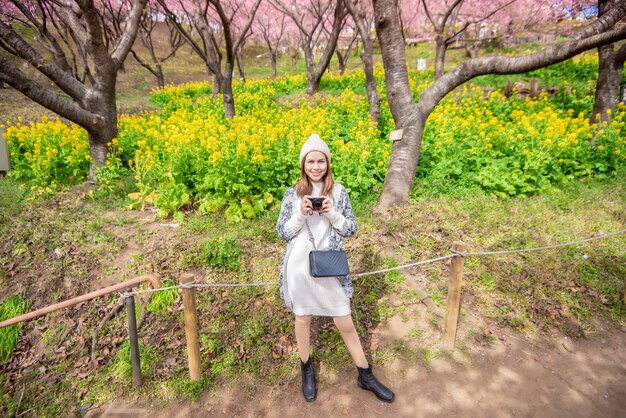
x,y
122,368
188,155
516,146
163,299
581,68
222,252
48,154
110,180
172,197
186,388
11,199
14,306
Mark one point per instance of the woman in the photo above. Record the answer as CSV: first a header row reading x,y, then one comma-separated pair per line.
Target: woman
x,y
299,224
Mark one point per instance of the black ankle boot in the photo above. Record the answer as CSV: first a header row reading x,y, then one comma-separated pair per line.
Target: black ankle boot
x,y
368,381
309,390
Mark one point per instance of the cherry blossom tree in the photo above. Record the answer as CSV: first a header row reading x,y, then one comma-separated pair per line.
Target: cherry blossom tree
x,y
80,64
311,17
611,59
451,18
149,21
345,43
410,116
215,21
272,26
363,17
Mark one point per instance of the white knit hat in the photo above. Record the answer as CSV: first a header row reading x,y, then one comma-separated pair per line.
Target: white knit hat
x,y
314,143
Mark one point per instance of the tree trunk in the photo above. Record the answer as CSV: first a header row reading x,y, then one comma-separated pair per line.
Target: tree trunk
x,y
367,58
342,62
295,56
309,61
373,97
405,153
313,83
274,64
402,167
217,85
93,108
102,103
607,85
239,59
159,76
440,55
227,91
411,118
314,73
610,68
98,150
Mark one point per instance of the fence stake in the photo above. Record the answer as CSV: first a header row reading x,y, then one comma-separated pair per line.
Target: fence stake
x,y
191,328
135,360
454,296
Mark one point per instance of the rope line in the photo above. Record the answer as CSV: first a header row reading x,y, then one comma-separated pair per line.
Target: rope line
x,y
455,253
445,257
547,247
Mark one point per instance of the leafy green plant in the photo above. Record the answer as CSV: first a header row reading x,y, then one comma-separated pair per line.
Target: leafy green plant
x,y
109,179
163,299
222,252
170,199
14,306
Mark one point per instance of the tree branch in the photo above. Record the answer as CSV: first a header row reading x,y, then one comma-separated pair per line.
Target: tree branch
x,y
448,12
130,32
511,65
65,82
428,15
45,96
174,20
247,25
493,12
607,21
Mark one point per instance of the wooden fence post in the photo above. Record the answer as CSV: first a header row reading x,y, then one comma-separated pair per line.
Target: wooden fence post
x,y
454,296
191,328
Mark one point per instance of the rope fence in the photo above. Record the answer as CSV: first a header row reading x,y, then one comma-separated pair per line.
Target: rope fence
x,y
455,253
188,285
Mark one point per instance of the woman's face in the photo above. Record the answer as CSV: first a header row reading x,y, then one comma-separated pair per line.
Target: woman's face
x,y
315,166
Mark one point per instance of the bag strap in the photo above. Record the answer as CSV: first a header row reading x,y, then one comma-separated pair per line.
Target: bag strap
x,y
308,228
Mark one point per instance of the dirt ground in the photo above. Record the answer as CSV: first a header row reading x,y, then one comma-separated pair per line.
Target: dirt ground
x,y
510,379
507,377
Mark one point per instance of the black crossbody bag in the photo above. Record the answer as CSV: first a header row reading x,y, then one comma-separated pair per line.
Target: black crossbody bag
x,y
327,263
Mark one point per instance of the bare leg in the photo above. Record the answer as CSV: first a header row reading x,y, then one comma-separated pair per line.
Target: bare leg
x,y
348,332
303,332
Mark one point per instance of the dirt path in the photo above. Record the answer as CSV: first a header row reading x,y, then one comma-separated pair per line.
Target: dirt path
x,y
511,378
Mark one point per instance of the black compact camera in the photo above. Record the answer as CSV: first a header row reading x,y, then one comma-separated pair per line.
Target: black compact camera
x,y
317,202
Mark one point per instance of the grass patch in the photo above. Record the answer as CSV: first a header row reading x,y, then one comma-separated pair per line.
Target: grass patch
x,y
14,306
122,369
164,299
11,199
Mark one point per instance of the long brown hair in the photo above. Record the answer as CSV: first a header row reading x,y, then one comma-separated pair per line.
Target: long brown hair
x,y
304,187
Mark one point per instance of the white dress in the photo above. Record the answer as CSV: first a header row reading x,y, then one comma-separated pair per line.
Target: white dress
x,y
320,296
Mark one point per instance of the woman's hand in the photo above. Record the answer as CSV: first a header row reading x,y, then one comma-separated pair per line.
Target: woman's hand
x,y
327,206
306,206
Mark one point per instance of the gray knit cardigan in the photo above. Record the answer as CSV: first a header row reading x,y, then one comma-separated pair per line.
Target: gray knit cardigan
x,y
291,220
